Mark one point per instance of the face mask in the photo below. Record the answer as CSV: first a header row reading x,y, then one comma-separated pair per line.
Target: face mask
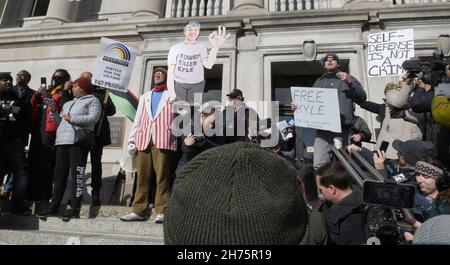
x,y
57,81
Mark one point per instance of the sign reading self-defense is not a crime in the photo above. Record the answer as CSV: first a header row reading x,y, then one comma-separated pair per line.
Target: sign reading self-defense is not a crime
x,y
317,108
388,50
115,63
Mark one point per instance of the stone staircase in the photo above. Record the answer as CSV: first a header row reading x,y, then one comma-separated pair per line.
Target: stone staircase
x,y
104,229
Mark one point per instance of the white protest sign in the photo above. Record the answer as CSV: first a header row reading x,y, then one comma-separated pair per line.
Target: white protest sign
x,y
114,65
388,50
317,108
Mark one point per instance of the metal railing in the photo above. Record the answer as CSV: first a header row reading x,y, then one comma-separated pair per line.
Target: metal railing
x,y
196,8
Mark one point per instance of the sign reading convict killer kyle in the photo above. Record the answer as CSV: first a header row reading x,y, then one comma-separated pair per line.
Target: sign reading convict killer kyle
x,y
388,50
117,126
114,65
317,108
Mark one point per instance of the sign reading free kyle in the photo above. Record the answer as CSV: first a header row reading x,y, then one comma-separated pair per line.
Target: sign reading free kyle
x,y
115,63
317,108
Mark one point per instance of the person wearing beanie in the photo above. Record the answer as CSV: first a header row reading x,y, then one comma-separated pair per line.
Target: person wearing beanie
x,y
434,183
434,231
155,146
187,60
79,114
102,138
349,91
237,194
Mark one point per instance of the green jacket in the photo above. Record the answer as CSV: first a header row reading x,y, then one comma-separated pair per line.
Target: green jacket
x,y
440,108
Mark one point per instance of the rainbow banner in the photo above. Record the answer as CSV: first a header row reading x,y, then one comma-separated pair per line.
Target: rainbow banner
x,y
115,63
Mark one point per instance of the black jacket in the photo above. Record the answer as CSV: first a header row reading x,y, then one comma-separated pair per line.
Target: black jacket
x,y
347,94
345,220
25,94
102,129
14,127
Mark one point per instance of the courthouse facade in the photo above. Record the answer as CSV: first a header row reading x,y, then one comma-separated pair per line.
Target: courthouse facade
x,y
264,57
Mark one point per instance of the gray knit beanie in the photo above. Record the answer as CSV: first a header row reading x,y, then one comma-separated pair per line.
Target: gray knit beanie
x,y
237,194
434,231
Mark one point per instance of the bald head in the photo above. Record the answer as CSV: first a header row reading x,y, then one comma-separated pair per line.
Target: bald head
x,y
87,75
23,78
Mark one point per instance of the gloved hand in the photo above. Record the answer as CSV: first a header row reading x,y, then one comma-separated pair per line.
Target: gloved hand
x,y
132,149
397,113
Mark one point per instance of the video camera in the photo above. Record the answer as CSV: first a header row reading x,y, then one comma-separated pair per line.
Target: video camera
x,y
386,215
429,73
8,110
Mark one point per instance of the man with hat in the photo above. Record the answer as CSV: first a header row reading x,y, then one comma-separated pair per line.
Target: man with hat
x,y
240,194
12,147
155,146
349,91
240,121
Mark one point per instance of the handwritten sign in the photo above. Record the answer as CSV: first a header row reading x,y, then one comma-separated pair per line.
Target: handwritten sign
x,y
317,108
117,126
388,50
115,63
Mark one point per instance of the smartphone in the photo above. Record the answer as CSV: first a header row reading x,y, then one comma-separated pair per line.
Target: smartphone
x,y
43,81
389,194
384,146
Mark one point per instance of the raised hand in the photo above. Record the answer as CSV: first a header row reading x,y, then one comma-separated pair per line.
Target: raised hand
x,y
217,38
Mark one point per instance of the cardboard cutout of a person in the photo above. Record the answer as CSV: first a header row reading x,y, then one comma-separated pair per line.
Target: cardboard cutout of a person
x,y
187,61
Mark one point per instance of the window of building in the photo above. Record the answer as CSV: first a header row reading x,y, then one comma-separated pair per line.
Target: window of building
x,y
213,83
39,8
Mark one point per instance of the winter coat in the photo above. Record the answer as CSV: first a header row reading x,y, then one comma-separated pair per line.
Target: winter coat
x,y
102,128
397,129
347,94
85,113
345,220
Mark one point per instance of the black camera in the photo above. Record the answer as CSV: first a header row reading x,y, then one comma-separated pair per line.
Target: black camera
x,y
8,110
429,73
199,138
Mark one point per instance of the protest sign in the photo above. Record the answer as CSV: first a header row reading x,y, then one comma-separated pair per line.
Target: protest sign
x,y
114,65
388,50
317,108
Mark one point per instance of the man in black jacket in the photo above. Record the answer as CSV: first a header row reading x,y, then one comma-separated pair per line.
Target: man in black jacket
x,y
343,208
25,93
12,152
103,138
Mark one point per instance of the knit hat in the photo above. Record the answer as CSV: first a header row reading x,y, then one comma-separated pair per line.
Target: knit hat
x,y
330,54
429,170
434,231
413,150
236,194
6,76
85,84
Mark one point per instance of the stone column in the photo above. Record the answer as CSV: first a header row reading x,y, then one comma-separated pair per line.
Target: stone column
x,y
153,8
249,7
62,11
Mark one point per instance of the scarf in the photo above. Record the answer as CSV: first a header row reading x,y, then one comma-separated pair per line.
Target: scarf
x,y
330,74
160,88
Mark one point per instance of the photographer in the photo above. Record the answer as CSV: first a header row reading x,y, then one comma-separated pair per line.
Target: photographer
x,y
193,145
344,208
43,134
12,147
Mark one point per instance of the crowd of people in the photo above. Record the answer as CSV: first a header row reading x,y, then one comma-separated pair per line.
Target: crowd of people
x,y
225,188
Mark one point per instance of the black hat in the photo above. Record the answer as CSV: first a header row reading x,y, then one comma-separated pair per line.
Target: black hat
x,y
235,93
330,54
236,194
413,150
5,75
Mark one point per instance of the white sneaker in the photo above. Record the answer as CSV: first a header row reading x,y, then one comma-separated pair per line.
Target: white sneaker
x,y
131,217
159,218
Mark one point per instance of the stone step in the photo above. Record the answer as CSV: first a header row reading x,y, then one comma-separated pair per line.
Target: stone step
x,y
108,226
44,237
